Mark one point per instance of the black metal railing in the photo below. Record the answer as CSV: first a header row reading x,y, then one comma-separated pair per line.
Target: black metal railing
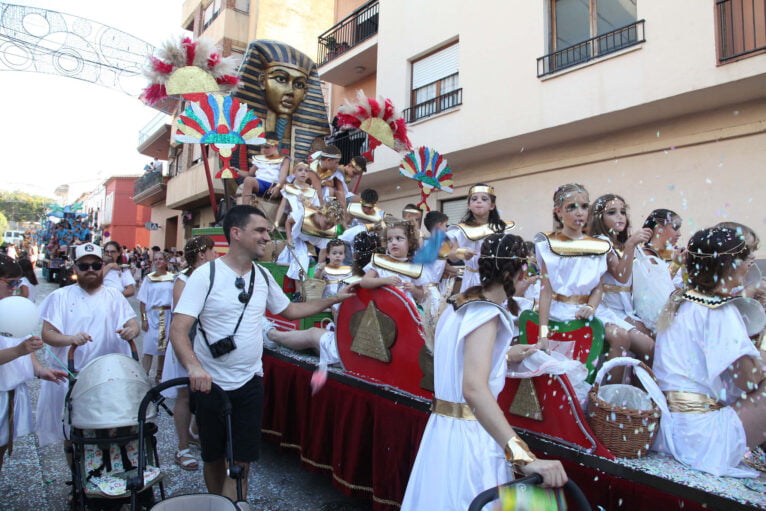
x,y
147,181
359,26
351,143
433,106
741,28
604,44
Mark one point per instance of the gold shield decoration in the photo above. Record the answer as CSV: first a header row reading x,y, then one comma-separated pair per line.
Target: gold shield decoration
x,y
373,333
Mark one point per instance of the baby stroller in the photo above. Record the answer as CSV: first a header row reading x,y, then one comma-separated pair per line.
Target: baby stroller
x,y
184,502
493,494
101,408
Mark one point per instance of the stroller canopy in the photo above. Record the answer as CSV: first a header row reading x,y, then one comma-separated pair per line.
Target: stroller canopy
x,y
108,392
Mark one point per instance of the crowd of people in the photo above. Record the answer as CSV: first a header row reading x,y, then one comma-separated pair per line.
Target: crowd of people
x,y
204,317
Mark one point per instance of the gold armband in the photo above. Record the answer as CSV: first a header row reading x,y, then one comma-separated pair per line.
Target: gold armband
x,y
543,331
517,453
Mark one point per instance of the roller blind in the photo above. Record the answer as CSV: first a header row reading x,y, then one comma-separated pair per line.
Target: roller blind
x,y
455,209
439,65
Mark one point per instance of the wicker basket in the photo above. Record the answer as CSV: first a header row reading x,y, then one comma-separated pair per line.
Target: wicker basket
x,y
626,432
312,289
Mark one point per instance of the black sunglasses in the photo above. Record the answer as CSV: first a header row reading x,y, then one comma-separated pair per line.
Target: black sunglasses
x,y
239,282
87,266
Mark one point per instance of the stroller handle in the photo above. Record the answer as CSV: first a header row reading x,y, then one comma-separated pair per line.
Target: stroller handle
x,y
488,496
135,484
73,347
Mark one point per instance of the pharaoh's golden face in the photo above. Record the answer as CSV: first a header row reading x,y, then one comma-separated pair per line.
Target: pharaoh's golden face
x,y
285,88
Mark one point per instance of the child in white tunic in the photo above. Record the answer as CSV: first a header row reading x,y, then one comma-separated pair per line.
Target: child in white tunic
x,y
572,265
394,267
468,445
609,220
295,198
707,366
481,220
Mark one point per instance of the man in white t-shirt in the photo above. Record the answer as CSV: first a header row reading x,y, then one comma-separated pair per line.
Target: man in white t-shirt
x,y
230,321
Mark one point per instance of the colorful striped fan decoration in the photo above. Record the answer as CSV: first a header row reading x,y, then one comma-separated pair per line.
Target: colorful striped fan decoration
x,y
377,118
221,121
430,170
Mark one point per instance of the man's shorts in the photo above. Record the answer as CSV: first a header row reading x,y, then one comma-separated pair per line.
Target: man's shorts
x,y
246,416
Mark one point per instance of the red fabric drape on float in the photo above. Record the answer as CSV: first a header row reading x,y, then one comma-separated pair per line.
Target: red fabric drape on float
x,y
367,442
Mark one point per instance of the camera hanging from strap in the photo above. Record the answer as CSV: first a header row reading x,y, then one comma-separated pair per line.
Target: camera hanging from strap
x,y
244,307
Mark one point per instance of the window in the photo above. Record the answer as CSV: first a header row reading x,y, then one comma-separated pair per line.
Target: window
x,y
211,13
242,6
741,28
583,29
455,209
435,83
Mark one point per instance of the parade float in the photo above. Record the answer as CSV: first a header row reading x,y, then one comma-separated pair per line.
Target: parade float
x,y
365,424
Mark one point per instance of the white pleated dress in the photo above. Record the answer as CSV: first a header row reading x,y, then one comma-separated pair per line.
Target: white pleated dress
x,y
457,458
13,376
694,355
620,303
173,367
298,257
575,275
155,294
460,240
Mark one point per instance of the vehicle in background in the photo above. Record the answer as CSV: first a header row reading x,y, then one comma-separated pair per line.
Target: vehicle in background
x,y
13,237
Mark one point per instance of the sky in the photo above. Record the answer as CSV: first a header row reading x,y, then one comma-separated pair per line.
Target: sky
x,y
57,130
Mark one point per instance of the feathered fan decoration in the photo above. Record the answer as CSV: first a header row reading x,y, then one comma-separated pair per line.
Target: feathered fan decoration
x,y
430,170
185,67
379,120
221,121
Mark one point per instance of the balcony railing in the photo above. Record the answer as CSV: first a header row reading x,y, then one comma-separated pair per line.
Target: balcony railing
x,y
352,30
593,48
147,181
433,106
152,126
741,28
350,143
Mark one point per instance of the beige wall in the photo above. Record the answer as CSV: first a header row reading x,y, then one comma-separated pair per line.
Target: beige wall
x,y
708,168
160,215
295,22
340,94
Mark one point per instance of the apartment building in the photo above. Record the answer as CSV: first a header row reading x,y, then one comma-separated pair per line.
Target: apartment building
x,y
179,197
661,102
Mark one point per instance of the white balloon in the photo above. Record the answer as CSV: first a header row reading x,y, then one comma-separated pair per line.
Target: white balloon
x,y
18,316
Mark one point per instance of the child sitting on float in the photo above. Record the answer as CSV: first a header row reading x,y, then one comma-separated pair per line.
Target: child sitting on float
x,y
395,267
707,366
572,267
466,237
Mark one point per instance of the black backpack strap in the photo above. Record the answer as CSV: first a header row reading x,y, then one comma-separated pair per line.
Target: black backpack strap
x,y
209,287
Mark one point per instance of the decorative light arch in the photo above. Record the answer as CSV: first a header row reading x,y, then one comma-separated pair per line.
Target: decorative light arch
x,y
45,41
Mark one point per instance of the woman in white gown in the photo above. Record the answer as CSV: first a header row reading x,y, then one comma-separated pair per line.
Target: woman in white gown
x,y
468,445
711,373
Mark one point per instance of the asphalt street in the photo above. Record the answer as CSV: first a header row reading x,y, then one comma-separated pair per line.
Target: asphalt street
x,y
35,478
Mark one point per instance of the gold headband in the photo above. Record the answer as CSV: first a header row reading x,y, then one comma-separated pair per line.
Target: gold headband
x,y
272,142
356,166
481,189
368,204
413,211
331,156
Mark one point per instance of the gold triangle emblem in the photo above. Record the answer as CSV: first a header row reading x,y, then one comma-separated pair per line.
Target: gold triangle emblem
x,y
525,403
373,333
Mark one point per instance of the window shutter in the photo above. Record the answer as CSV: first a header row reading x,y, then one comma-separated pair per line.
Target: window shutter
x,y
455,209
434,67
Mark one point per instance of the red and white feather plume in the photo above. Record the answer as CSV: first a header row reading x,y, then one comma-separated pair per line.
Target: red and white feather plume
x,y
171,70
378,118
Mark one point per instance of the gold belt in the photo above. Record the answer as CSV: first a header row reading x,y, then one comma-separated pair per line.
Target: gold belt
x,y
574,299
162,307
471,269
610,288
691,402
432,284
450,409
